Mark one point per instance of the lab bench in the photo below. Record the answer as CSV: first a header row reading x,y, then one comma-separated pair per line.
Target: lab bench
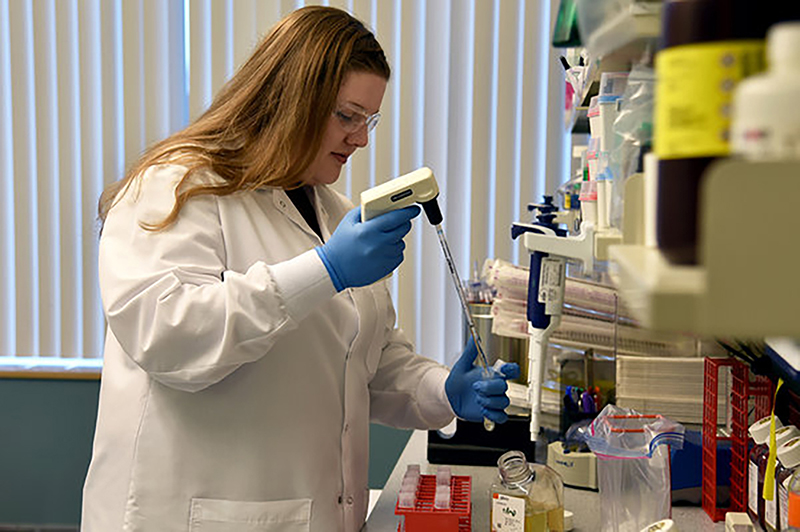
x,y
584,504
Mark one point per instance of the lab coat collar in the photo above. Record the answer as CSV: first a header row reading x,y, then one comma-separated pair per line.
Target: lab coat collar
x,y
323,216
285,205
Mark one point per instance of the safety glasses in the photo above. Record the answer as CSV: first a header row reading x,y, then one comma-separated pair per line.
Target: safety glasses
x,y
353,118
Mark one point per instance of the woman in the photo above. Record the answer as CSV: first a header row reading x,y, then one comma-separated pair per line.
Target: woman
x,y
250,340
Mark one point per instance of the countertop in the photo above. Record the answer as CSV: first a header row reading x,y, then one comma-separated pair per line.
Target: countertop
x,y
585,505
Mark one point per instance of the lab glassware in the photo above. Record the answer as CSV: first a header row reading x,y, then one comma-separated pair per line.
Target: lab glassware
x,y
526,497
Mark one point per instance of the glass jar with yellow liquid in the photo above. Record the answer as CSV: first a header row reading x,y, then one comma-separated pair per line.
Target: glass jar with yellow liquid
x,y
526,497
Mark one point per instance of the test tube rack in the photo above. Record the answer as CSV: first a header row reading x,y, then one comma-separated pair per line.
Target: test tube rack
x,y
424,517
747,393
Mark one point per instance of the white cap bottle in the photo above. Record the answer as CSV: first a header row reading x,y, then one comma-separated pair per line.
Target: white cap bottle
x,y
757,465
772,507
766,116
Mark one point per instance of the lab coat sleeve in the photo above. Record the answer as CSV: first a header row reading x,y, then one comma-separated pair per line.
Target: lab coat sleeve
x,y
407,390
172,305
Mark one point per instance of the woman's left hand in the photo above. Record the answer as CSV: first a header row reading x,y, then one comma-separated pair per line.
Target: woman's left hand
x,y
474,397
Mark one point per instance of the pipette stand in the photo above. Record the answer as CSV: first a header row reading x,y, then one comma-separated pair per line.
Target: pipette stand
x,y
550,248
579,248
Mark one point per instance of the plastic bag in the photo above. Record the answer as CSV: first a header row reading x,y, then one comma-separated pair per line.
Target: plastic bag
x,y
633,131
633,467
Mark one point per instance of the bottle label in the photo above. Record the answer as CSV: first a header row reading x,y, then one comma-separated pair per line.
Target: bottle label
x,y
767,142
551,285
771,510
783,502
794,509
694,95
752,487
508,513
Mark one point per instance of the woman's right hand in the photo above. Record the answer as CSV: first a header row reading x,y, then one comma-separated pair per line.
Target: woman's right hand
x,y
360,253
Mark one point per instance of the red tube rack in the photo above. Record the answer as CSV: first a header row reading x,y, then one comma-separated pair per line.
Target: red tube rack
x,y
423,517
747,392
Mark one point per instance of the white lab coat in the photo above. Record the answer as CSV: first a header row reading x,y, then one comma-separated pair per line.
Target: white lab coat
x,y
238,386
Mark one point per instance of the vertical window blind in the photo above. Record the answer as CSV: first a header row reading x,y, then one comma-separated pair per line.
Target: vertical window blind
x,y
85,85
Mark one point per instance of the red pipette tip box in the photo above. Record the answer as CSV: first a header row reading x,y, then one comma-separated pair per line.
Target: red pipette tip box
x,y
424,517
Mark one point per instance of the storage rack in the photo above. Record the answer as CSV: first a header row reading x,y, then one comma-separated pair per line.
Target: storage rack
x,y
424,517
746,391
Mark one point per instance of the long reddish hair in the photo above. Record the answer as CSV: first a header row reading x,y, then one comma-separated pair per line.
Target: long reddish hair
x,y
265,126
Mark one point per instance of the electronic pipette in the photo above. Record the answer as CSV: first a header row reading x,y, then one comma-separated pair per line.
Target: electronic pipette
x,y
420,187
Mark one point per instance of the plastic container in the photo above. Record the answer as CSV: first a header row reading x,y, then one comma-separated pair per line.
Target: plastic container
x,y
604,190
738,522
608,108
612,85
593,158
526,497
789,459
588,199
772,507
602,116
594,117
756,465
650,199
408,487
766,113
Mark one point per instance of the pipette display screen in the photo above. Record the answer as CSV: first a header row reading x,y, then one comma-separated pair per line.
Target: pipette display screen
x,y
400,195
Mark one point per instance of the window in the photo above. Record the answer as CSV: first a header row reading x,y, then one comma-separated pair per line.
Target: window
x,y
86,85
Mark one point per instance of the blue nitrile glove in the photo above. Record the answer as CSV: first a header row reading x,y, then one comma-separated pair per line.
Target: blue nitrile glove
x,y
360,253
474,398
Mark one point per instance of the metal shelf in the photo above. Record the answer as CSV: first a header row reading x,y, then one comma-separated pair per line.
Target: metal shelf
x,y
746,284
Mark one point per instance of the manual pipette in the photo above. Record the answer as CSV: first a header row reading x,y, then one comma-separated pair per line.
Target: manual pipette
x,y
488,424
